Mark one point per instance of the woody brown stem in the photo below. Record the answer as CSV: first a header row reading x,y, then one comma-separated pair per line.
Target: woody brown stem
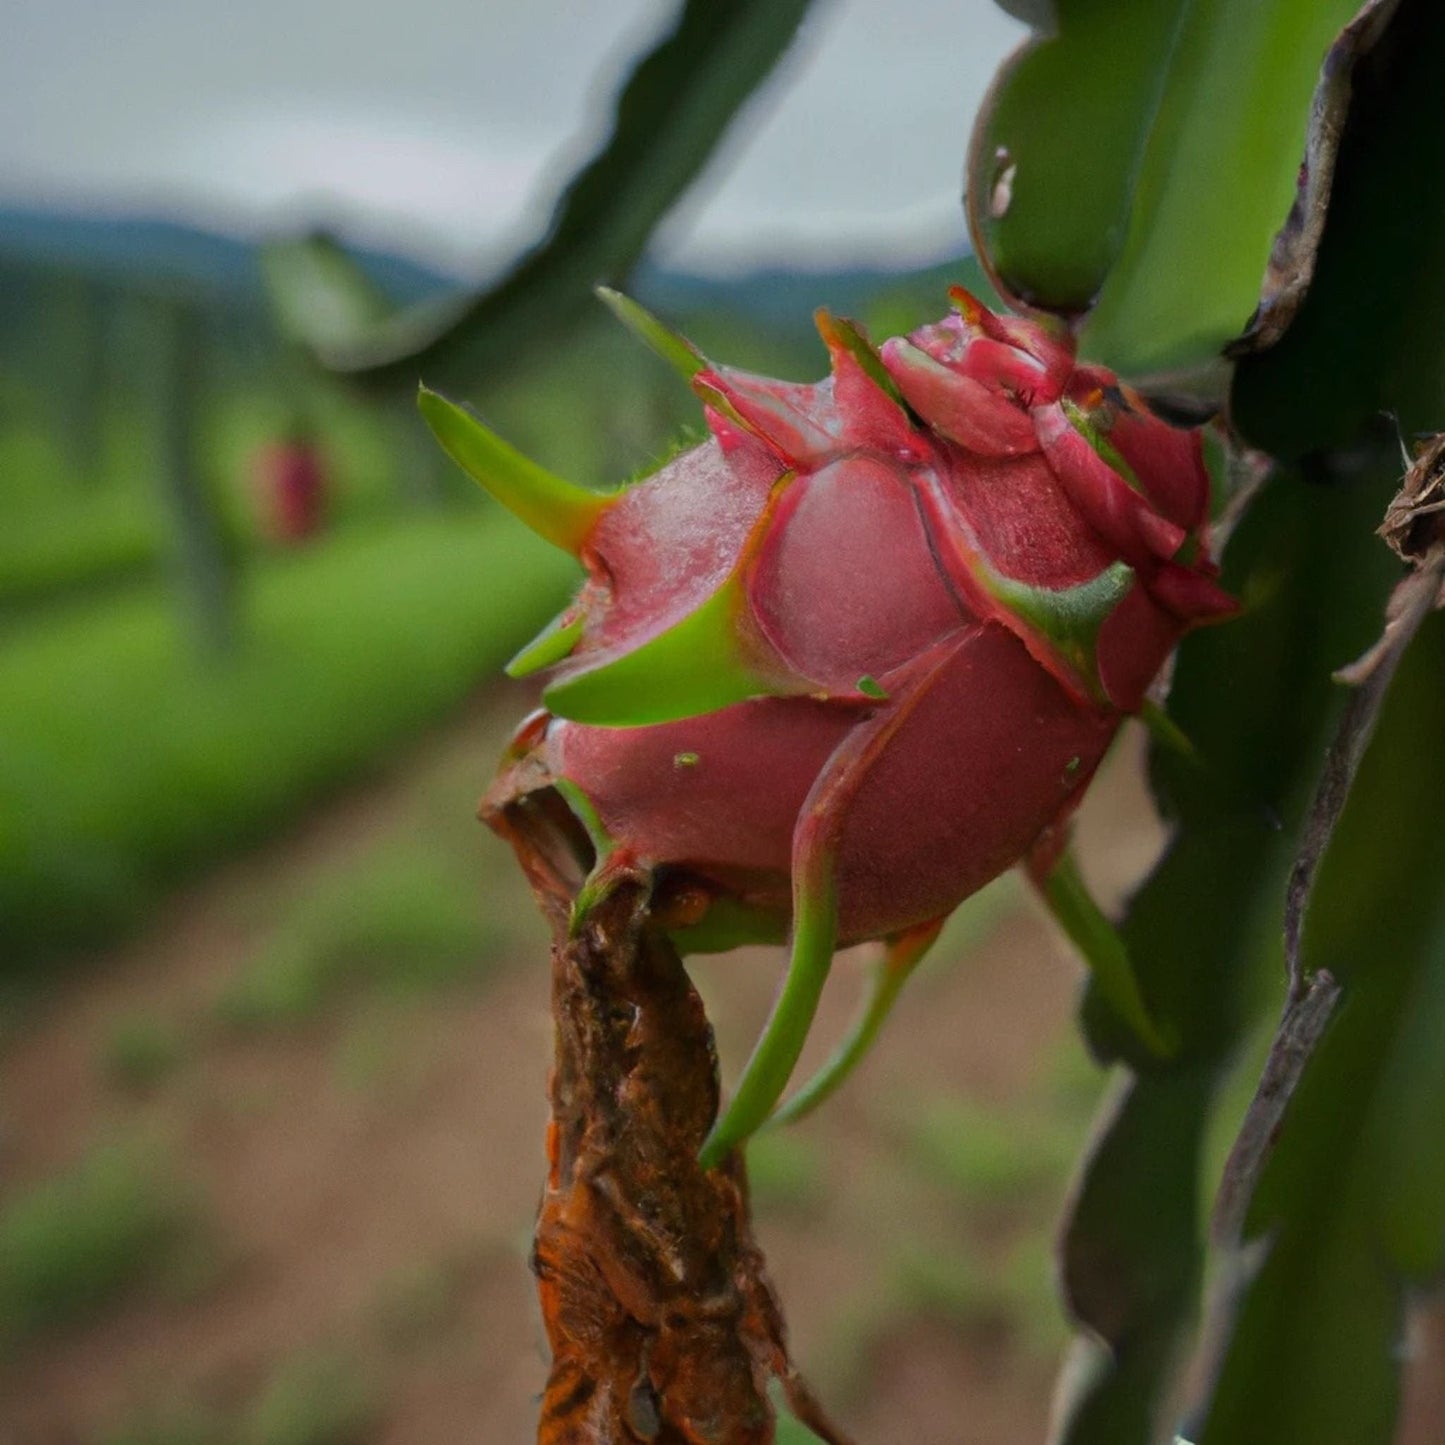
x,y
662,1323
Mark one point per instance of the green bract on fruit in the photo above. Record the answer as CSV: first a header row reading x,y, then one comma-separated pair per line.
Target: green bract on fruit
x,y
835,669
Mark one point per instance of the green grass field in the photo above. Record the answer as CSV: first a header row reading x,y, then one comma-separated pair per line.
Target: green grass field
x,y
126,762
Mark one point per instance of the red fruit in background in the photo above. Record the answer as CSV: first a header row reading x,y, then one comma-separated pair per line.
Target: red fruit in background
x,y
291,477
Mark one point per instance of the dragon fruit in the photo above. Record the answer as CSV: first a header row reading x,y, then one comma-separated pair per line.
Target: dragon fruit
x,y
838,667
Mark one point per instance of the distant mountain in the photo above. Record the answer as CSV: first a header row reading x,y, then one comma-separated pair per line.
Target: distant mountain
x,y
141,252
780,297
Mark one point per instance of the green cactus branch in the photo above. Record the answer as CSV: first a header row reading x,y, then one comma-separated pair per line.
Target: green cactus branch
x,y
1135,169
1352,1196
674,110
1205,929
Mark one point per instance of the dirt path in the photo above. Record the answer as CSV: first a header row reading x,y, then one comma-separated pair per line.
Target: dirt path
x,y
380,1211
330,1201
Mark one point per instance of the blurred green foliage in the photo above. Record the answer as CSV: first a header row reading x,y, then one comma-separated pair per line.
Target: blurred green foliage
x,y
787,1173
319,1398
141,1051
124,764
181,1422
402,919
72,1243
993,1158
419,1303
112,540
71,535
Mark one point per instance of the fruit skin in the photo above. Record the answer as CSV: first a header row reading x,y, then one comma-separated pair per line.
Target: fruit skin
x,y
846,662
955,797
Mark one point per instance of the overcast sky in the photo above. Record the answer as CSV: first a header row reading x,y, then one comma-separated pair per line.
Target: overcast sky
x,y
445,127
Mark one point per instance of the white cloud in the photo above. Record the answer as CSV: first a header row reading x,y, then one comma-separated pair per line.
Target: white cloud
x,y
476,189
447,127
859,155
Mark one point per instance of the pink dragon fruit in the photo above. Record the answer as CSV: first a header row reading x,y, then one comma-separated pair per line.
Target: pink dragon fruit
x,y
843,664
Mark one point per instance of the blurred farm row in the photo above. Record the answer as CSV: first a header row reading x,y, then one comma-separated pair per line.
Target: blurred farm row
x,y
272,1017
228,584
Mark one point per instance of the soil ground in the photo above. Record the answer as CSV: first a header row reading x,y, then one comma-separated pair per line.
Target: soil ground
x,y
367,1178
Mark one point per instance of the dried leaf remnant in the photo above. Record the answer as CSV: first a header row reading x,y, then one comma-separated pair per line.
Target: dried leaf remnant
x,y
663,1326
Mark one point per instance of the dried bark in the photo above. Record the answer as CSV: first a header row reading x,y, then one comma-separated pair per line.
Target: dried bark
x,y
663,1325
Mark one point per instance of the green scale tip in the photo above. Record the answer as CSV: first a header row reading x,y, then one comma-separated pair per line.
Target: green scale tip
x,y
558,511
